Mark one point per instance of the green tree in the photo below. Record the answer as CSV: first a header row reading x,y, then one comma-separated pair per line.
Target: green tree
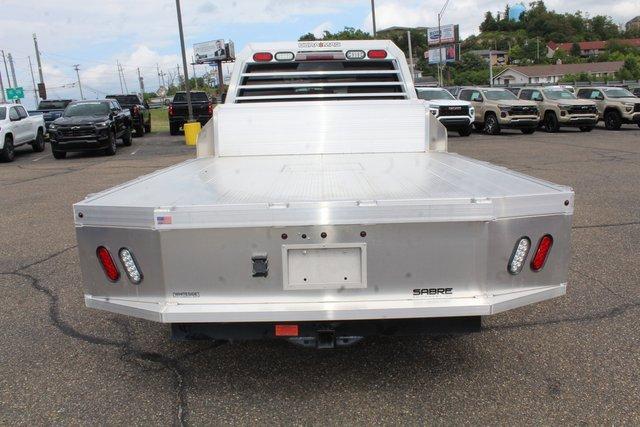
x,y
575,50
348,33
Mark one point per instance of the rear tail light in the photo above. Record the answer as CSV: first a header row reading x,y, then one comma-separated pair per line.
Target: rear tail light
x,y
171,110
377,54
130,266
262,57
540,257
519,255
284,56
355,54
210,109
136,109
109,267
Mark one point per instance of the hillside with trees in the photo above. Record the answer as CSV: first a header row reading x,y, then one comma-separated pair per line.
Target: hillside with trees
x,y
525,41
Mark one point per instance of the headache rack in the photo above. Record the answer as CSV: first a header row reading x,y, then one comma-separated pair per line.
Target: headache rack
x,y
320,80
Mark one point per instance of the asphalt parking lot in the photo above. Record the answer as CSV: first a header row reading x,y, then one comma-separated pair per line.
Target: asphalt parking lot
x,y
571,360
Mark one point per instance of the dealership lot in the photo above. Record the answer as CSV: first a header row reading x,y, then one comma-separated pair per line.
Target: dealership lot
x,y
573,360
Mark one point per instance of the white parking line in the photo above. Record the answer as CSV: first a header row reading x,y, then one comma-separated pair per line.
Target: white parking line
x,y
134,153
40,158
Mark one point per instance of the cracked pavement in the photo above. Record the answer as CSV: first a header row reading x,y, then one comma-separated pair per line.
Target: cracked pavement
x,y
575,359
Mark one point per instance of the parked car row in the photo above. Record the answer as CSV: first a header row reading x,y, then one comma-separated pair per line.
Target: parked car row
x,y
490,109
82,126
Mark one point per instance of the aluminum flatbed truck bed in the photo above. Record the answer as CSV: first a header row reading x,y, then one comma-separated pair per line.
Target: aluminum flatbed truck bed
x,y
324,218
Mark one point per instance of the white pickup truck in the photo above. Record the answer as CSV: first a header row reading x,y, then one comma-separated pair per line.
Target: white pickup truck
x,y
323,207
454,114
18,128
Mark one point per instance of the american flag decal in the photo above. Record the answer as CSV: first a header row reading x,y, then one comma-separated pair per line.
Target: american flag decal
x,y
163,220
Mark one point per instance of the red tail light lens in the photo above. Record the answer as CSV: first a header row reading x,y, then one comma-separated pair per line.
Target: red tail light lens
x,y
540,257
171,110
262,57
377,54
109,267
210,109
136,109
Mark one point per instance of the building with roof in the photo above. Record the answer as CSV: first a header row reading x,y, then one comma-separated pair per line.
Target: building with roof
x,y
548,74
588,49
633,24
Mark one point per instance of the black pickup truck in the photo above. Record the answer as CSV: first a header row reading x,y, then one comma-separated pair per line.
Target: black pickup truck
x,y
50,109
139,109
179,114
90,126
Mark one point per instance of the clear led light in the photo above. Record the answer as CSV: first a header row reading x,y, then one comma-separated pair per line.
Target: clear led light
x,y
519,255
130,266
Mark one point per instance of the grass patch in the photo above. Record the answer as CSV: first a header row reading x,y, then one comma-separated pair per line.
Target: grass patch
x,y
159,120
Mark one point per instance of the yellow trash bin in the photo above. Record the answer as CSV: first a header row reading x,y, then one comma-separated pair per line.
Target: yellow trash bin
x,y
191,131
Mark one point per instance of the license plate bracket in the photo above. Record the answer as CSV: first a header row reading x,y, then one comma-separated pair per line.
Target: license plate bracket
x,y
324,266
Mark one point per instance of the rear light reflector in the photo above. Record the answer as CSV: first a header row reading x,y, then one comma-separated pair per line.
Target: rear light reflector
x,y
542,253
519,255
377,54
210,109
109,267
262,57
171,110
286,330
356,54
136,109
130,266
284,56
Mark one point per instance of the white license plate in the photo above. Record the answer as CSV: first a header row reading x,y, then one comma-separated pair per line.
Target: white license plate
x,y
324,266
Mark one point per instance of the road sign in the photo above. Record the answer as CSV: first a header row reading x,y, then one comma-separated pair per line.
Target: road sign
x,y
14,93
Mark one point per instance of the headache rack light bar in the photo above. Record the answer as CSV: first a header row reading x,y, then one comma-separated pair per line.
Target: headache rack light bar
x,y
323,95
330,55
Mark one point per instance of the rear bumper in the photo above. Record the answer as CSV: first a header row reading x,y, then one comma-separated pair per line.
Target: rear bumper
x,y
180,121
482,305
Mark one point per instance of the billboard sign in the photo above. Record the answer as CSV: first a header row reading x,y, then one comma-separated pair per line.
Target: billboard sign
x,y
447,53
449,35
209,51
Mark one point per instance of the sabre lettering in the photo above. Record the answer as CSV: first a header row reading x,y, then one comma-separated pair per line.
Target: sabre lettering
x,y
433,291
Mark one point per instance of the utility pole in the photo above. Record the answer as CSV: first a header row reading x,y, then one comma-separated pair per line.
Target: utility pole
x,y
160,76
184,62
13,70
124,81
4,99
440,42
77,67
119,77
141,81
6,69
413,72
35,44
33,80
490,69
373,17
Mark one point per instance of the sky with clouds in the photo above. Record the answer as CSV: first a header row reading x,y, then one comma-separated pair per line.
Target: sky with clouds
x,y
144,33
